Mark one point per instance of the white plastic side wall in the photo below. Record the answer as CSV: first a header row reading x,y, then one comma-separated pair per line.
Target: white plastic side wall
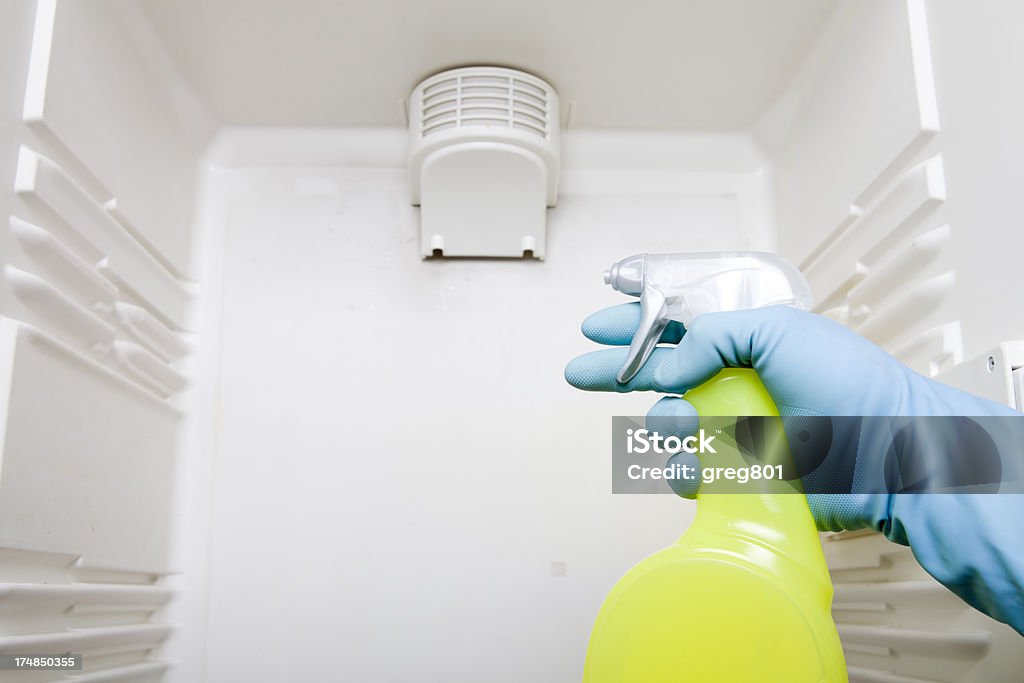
x,y
895,174
896,164
405,483
99,142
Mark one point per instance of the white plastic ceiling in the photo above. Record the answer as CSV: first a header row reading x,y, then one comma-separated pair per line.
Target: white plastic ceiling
x,y
689,64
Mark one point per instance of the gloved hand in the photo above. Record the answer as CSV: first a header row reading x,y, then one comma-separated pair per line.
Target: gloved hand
x,y
813,366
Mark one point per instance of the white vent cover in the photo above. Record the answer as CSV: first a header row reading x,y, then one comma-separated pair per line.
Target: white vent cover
x,y
484,160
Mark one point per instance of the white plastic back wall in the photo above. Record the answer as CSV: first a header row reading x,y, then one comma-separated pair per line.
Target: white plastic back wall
x,y
400,456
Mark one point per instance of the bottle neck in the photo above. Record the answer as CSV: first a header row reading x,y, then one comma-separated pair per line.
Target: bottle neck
x,y
779,520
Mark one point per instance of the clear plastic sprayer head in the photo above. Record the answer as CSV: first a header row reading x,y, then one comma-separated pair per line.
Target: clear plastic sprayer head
x,y
682,286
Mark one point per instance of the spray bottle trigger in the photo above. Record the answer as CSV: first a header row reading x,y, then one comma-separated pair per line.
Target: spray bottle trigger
x,y
653,320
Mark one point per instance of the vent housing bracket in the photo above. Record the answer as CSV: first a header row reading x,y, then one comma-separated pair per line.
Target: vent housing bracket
x,y
484,162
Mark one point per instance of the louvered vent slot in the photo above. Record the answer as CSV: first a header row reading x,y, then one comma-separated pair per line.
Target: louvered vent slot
x,y
485,100
440,106
529,109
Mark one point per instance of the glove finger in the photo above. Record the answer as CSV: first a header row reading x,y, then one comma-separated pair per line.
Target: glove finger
x,y
617,325
714,341
683,487
596,371
672,416
849,511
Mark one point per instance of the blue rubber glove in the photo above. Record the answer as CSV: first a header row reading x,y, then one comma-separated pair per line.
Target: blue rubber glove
x,y
812,366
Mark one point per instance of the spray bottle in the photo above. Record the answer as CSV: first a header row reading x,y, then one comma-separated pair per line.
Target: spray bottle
x,y
744,595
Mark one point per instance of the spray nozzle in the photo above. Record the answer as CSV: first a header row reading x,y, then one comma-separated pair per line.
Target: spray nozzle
x,y
682,286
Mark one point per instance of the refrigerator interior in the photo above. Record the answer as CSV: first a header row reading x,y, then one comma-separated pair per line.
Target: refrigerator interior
x,y
248,433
